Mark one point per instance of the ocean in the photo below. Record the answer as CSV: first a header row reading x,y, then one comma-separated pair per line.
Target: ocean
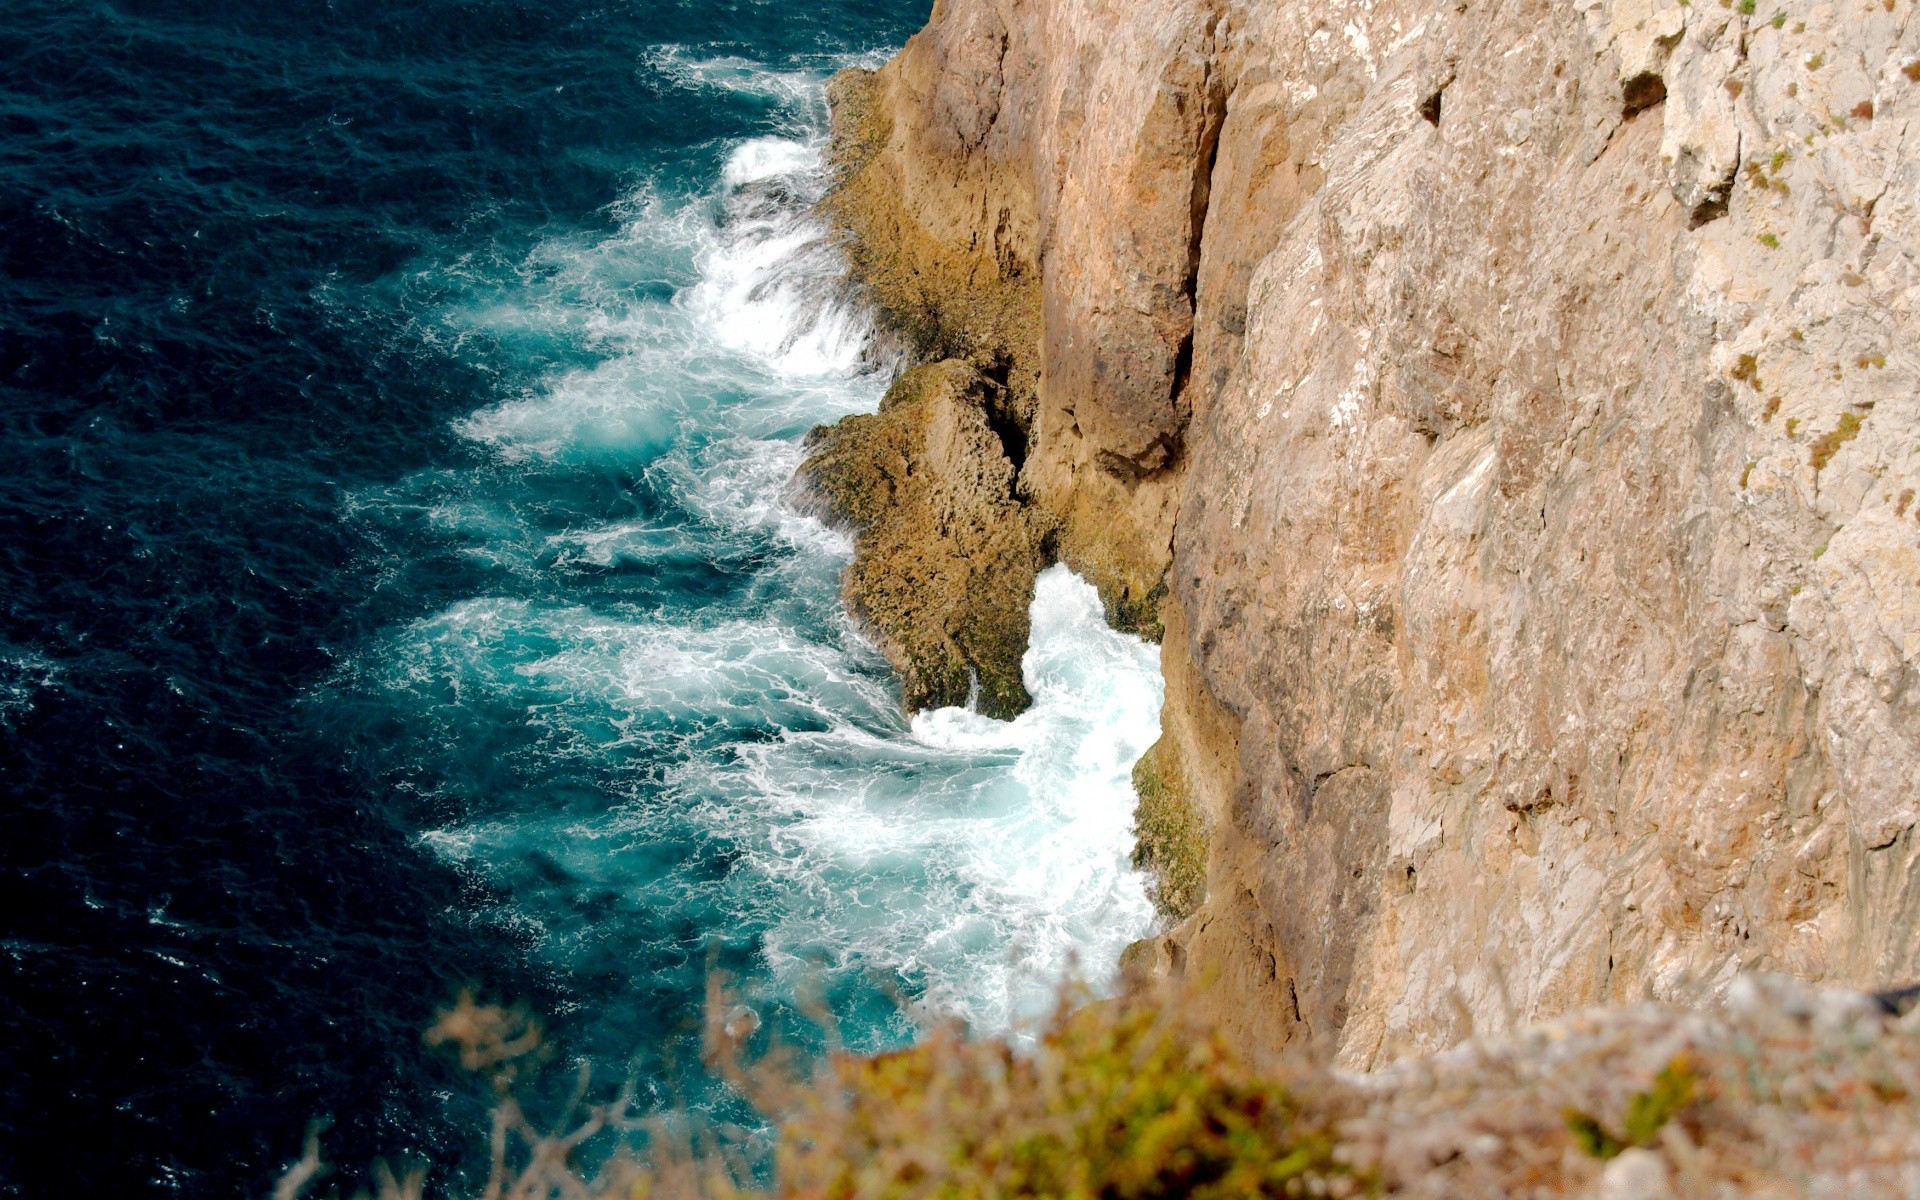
x,y
403,588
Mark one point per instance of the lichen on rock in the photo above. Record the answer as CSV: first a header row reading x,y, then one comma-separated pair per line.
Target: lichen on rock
x,y
945,554
1170,833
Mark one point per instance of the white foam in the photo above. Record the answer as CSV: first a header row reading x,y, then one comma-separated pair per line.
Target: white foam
x,y
1026,840
760,310
769,158
971,860
975,859
731,73
770,285
745,486
24,674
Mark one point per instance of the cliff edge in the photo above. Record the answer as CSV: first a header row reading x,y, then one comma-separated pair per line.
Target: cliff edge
x,y
1507,415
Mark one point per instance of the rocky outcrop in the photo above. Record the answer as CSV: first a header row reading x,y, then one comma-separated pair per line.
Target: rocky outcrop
x,y
941,231
945,555
1023,186
1750,1098
1510,415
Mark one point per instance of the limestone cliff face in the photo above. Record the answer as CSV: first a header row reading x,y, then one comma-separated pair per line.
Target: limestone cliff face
x,y
1511,414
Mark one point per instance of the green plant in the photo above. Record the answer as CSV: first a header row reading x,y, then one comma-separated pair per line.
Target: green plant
x,y
1126,1100
1672,1090
1591,1136
1816,62
1824,447
1757,177
1746,7
1769,240
1170,835
1779,19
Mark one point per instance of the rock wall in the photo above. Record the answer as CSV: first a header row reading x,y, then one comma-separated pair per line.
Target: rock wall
x,y
1509,413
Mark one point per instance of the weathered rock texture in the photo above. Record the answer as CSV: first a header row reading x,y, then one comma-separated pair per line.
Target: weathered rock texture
x,y
1024,186
944,554
1515,404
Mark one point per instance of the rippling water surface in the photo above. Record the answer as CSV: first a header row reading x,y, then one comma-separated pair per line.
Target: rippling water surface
x,y
401,587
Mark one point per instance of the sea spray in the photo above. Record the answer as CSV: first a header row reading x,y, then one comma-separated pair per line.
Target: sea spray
x,y
726,762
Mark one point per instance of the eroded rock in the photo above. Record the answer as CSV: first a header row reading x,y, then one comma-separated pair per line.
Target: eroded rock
x,y
945,554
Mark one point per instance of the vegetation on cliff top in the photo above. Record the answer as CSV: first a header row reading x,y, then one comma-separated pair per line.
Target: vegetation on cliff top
x,y
1790,1091
1127,1100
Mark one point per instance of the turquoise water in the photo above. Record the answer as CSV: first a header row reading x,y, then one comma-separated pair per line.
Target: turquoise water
x,y
665,736
406,589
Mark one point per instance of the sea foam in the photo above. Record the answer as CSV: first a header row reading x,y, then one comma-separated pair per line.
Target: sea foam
x,y
692,739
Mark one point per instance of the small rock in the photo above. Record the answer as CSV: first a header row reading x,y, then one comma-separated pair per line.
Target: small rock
x,y
1636,1175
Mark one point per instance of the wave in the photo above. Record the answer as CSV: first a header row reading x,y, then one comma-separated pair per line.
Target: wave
x,y
658,724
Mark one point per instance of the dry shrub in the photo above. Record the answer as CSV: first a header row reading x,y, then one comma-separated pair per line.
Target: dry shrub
x,y
1127,1100
1131,1099
1789,1090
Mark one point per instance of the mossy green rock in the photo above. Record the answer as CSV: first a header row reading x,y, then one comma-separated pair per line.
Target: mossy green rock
x,y
1170,833
944,553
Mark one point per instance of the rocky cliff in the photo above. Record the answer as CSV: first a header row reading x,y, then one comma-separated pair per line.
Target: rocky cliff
x,y
1507,412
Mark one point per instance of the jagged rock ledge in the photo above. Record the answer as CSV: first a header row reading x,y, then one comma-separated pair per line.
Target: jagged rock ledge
x,y
935,202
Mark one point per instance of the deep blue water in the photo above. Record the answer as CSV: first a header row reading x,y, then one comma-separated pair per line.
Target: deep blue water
x,y
399,587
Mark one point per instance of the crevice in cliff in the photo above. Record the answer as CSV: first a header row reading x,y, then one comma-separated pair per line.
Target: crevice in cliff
x,y
1714,206
1003,420
1430,108
1182,372
1641,93
1199,203
1711,209
997,94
